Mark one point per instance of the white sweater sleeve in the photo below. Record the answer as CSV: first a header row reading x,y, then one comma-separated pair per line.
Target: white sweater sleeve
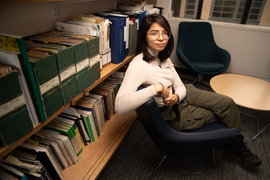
x,y
128,98
178,85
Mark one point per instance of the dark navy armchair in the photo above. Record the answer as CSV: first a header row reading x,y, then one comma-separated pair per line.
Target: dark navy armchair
x,y
197,50
173,143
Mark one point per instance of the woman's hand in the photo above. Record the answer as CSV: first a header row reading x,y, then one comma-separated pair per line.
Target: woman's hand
x,y
162,90
171,100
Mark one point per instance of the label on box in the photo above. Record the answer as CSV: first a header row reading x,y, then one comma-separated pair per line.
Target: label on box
x,y
94,60
83,64
67,73
12,105
49,85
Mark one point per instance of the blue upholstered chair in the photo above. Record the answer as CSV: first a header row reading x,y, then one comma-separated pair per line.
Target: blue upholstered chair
x,y
173,143
197,50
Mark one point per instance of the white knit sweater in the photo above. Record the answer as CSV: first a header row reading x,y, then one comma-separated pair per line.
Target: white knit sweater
x,y
146,74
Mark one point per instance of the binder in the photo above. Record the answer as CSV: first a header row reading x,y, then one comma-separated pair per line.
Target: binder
x,y
126,26
14,116
118,52
16,44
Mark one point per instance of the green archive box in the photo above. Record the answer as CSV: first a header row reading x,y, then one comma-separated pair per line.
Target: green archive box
x,y
94,56
48,80
67,72
82,65
15,121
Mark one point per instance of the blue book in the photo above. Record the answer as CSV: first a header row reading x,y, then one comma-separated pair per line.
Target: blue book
x,y
117,44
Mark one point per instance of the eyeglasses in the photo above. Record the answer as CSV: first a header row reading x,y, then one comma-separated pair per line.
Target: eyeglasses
x,y
155,35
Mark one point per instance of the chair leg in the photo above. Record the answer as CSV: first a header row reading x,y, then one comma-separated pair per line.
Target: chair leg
x,y
199,172
200,80
164,157
136,145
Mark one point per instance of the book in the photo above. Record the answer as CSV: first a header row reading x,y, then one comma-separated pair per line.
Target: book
x,y
6,175
45,157
97,110
14,116
105,95
66,129
71,111
111,96
89,122
12,59
13,172
65,140
55,148
83,105
16,44
33,159
52,154
132,39
72,122
101,105
80,125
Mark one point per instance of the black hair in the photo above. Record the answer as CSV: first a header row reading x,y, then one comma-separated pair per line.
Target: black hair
x,y
142,41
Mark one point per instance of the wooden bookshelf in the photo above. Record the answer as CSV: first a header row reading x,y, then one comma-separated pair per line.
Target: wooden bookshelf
x,y
105,72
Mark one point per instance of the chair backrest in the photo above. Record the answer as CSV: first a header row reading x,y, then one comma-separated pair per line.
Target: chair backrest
x,y
196,41
178,144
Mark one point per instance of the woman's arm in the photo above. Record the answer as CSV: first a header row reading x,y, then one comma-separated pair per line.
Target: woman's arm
x,y
128,98
178,85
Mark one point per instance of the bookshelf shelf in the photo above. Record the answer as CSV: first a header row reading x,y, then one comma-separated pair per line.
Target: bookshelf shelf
x,y
97,154
105,72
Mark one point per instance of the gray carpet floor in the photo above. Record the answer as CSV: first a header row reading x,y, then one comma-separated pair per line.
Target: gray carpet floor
x,y
129,164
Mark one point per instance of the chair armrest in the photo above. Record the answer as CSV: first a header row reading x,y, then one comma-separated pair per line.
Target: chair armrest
x,y
222,56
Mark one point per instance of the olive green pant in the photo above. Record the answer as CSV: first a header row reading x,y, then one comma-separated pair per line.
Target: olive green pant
x,y
203,107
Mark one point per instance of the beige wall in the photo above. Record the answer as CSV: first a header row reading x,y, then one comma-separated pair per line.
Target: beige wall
x,y
31,18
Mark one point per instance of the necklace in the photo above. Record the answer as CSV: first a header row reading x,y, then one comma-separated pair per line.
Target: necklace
x,y
159,64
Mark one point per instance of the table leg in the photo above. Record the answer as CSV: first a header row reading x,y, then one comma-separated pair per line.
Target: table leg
x,y
259,131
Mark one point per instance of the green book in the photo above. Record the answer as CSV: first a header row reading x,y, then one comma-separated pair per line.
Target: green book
x,y
14,116
16,44
87,121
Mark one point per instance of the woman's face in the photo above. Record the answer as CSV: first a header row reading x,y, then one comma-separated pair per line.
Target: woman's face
x,y
157,31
